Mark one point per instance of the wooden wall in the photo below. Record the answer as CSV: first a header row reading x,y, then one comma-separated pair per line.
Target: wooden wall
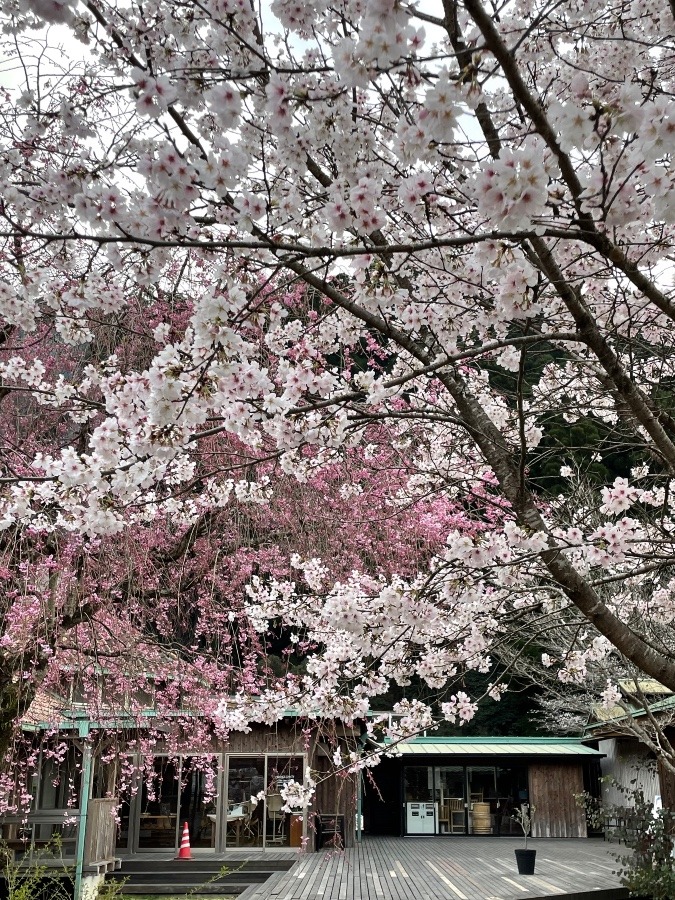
x,y
99,842
335,794
552,790
284,738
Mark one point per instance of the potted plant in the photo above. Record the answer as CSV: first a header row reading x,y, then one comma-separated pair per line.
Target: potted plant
x,y
525,858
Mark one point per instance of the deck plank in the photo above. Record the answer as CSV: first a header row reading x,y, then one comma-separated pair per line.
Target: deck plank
x,y
437,868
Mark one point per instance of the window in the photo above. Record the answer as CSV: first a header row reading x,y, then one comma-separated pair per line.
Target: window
x,y
417,784
60,778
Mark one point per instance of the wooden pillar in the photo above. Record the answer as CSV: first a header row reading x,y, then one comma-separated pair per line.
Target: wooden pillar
x,y
85,791
335,795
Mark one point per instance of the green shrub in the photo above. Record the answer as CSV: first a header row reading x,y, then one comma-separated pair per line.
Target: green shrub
x,y
648,870
42,875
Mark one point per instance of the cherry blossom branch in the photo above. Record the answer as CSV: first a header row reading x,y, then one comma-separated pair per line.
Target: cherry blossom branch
x,y
534,109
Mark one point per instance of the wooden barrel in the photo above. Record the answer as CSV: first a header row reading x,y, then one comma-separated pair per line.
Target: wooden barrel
x,y
481,818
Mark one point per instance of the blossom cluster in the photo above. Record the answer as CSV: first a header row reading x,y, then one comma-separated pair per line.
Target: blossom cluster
x,y
237,242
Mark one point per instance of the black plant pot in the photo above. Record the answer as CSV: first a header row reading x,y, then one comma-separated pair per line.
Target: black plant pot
x,y
525,860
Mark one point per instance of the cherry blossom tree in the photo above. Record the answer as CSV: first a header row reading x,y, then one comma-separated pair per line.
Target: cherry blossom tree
x,y
156,612
471,208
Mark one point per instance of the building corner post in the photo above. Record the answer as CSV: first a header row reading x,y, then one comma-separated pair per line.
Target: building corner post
x,y
359,806
85,790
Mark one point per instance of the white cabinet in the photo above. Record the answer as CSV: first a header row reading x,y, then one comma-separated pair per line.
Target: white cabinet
x,y
420,818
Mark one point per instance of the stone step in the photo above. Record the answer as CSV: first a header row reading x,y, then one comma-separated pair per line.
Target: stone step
x,y
130,866
194,880
171,890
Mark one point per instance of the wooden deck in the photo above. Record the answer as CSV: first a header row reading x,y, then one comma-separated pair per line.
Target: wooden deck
x,y
448,869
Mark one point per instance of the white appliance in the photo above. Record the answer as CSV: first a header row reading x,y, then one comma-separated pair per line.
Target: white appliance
x,y
420,818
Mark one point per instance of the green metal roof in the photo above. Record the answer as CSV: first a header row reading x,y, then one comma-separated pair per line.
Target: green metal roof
x,y
615,715
493,746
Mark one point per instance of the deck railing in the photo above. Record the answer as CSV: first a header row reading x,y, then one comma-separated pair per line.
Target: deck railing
x,y
50,836
99,845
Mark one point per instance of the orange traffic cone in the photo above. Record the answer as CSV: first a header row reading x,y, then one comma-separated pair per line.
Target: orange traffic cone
x,y
184,852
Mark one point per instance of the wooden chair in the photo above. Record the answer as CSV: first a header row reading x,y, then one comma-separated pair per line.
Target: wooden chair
x,y
330,831
276,818
234,822
207,828
456,809
253,820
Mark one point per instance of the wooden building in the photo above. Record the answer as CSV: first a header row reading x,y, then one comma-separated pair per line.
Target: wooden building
x,y
120,790
229,793
107,800
472,786
629,764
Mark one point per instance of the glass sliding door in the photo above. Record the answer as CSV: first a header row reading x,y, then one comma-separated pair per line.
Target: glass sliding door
x,y
418,784
450,795
159,805
512,790
198,799
243,816
482,790
278,824
124,814
173,790
252,822
60,780
458,799
218,800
